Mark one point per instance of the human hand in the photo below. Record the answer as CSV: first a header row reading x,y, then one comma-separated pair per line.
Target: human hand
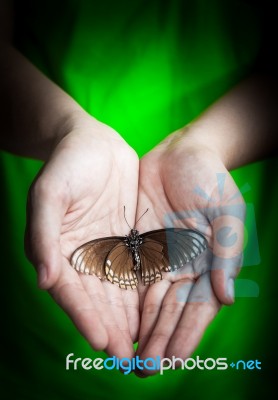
x,y
185,182
78,196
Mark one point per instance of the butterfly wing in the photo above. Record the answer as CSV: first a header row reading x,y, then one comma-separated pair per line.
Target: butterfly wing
x,y
168,250
162,250
90,257
153,261
119,268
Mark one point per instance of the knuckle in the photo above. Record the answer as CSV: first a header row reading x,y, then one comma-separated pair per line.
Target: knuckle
x,y
171,308
151,308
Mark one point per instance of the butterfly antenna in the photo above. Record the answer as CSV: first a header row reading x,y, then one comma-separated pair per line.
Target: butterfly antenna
x,y
141,217
126,220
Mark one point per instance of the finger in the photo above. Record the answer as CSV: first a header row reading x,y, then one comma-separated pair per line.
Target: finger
x,y
170,313
116,306
228,237
151,309
69,293
45,210
120,344
201,308
131,305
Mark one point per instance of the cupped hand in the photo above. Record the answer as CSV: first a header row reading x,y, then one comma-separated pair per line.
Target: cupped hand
x,y
79,196
185,184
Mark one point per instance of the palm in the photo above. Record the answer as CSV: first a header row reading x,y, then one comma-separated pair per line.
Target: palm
x,y
87,180
176,310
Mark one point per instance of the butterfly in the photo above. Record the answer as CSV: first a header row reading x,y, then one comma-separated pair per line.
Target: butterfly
x,y
119,259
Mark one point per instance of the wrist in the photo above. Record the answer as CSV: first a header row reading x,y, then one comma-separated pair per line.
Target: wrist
x,y
191,142
83,127
208,137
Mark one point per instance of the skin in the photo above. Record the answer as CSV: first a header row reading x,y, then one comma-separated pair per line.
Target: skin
x,y
78,195
192,158
177,310
90,173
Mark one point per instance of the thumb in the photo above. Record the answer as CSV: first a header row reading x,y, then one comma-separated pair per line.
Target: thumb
x,y
228,237
42,235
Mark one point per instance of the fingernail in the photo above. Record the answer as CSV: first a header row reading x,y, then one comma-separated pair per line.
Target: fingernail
x,y
42,275
140,374
231,289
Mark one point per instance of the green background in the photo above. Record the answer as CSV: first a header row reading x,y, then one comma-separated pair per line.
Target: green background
x,y
146,68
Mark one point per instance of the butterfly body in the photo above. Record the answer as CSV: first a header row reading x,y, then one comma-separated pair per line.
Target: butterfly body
x,y
133,242
124,259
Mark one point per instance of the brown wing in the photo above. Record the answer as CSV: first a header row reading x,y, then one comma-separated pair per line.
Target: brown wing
x,y
179,246
119,268
90,257
153,261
